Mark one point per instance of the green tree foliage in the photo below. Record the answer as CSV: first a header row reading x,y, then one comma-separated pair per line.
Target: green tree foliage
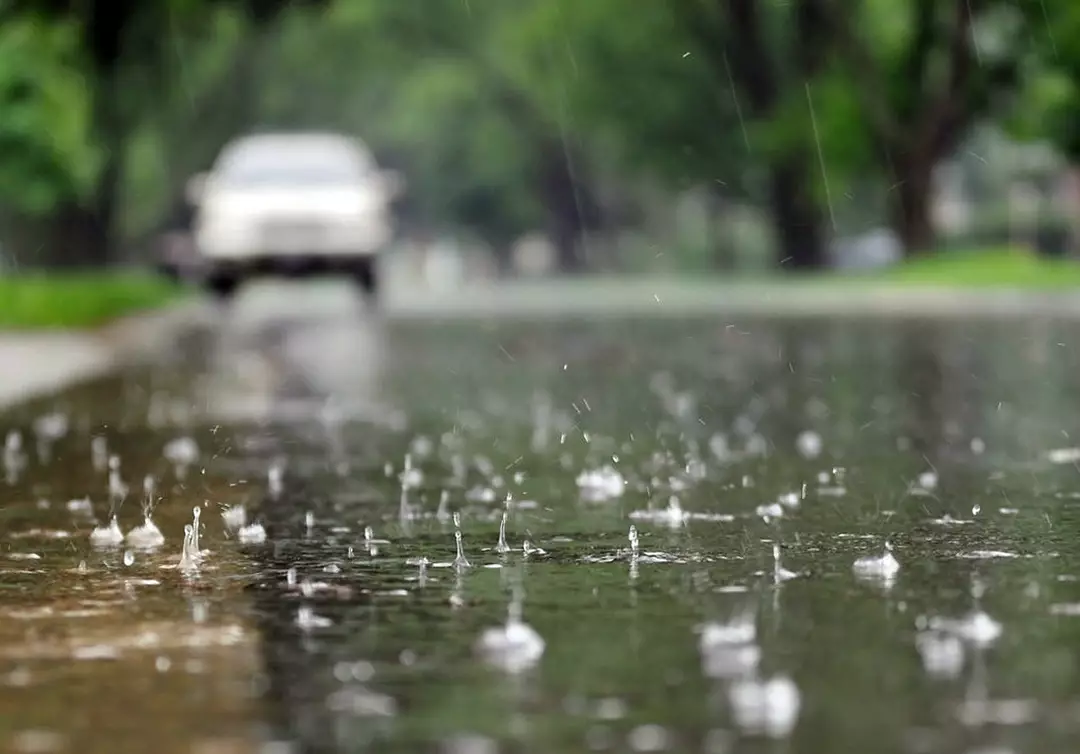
x,y
422,92
1051,107
431,86
47,155
124,53
502,113
813,91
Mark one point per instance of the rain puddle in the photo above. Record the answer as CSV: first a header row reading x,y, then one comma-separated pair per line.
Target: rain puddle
x,y
635,536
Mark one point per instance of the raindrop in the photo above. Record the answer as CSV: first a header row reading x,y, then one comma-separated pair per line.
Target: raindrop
x,y
99,452
274,478
195,512
809,444
443,512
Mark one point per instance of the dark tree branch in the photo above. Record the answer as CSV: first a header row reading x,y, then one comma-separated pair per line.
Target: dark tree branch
x,y
949,112
748,54
813,36
913,68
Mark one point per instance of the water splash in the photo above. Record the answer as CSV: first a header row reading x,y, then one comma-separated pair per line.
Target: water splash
x,y
460,561
780,574
404,509
149,495
306,619
884,566
147,535
635,544
234,517
252,534
673,515
189,556
598,485
118,490
107,536
502,548
421,574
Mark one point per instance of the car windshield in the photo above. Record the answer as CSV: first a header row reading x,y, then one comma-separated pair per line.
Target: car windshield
x,y
286,166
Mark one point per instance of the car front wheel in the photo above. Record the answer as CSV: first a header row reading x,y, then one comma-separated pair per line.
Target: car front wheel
x,y
222,286
367,278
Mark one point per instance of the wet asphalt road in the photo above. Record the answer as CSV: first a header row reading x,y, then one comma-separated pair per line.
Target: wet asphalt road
x,y
954,441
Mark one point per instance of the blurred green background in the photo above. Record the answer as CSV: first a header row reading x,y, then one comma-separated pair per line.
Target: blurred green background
x,y
733,137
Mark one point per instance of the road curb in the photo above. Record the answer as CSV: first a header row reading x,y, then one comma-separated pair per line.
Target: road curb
x,y
665,298
34,364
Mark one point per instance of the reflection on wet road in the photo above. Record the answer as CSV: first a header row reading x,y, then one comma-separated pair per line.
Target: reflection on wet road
x,y
669,536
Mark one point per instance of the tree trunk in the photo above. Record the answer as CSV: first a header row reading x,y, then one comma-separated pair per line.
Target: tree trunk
x,y
799,221
82,235
912,219
567,204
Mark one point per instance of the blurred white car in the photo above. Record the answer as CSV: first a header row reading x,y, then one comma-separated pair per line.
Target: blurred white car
x,y
292,204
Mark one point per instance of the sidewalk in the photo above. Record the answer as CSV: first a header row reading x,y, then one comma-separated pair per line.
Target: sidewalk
x,y
33,364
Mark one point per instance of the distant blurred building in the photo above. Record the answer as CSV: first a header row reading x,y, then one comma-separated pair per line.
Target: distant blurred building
x,y
533,255
443,266
951,205
877,248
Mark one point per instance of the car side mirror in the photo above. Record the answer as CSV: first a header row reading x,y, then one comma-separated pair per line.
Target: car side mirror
x,y
195,190
393,183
